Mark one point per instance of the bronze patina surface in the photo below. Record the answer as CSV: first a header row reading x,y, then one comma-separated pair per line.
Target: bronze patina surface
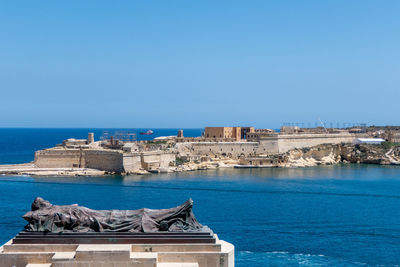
x,y
46,217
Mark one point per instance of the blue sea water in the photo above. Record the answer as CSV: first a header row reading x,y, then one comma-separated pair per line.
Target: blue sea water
x,y
324,216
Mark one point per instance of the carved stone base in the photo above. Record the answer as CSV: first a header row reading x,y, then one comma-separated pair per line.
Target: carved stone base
x,y
101,250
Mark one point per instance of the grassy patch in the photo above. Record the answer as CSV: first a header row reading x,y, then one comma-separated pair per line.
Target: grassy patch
x,y
180,161
389,145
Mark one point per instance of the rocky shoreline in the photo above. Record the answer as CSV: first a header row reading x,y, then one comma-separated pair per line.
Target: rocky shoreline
x,y
329,154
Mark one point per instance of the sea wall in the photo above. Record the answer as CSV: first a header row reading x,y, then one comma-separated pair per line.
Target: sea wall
x,y
101,159
59,158
76,158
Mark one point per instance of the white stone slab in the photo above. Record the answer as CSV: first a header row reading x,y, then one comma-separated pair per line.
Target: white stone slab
x,y
143,255
103,248
178,264
62,256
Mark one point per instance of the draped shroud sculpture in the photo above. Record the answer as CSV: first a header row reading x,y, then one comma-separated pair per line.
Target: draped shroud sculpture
x,y
45,217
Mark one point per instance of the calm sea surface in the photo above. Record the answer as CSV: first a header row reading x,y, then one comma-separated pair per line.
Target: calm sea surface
x,y
323,216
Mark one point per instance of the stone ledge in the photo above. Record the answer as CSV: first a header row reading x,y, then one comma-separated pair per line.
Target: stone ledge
x,y
176,248
104,248
63,256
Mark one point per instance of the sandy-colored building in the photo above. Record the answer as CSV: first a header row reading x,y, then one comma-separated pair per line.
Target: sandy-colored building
x,y
237,133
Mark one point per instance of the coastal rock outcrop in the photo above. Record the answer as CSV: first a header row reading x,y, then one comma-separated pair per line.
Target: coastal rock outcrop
x,y
343,153
317,155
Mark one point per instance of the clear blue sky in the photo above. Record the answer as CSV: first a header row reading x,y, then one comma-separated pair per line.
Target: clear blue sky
x,y
197,63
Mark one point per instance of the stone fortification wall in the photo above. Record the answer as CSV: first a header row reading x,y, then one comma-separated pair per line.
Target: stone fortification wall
x,y
76,158
268,146
131,162
272,144
59,158
104,160
167,159
291,141
163,160
396,138
230,149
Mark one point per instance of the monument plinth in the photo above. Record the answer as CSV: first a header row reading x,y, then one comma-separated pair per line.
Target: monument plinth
x,y
76,236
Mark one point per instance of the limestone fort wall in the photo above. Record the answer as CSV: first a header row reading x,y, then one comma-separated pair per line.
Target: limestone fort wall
x,y
59,158
131,162
104,160
269,145
291,141
162,159
230,149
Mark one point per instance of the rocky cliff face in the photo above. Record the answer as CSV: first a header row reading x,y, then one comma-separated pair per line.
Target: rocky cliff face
x,y
342,153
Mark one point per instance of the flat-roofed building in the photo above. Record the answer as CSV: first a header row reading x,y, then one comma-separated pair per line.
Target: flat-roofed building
x,y
237,133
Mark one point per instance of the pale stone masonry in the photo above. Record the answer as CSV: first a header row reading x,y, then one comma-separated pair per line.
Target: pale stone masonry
x,y
103,159
220,254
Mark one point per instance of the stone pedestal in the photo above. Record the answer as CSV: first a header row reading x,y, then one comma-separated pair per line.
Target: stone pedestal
x,y
39,254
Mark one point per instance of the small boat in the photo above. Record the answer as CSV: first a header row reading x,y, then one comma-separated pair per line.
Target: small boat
x,y
149,132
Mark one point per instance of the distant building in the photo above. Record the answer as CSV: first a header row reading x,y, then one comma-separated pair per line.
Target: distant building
x,y
237,133
255,136
245,130
289,129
